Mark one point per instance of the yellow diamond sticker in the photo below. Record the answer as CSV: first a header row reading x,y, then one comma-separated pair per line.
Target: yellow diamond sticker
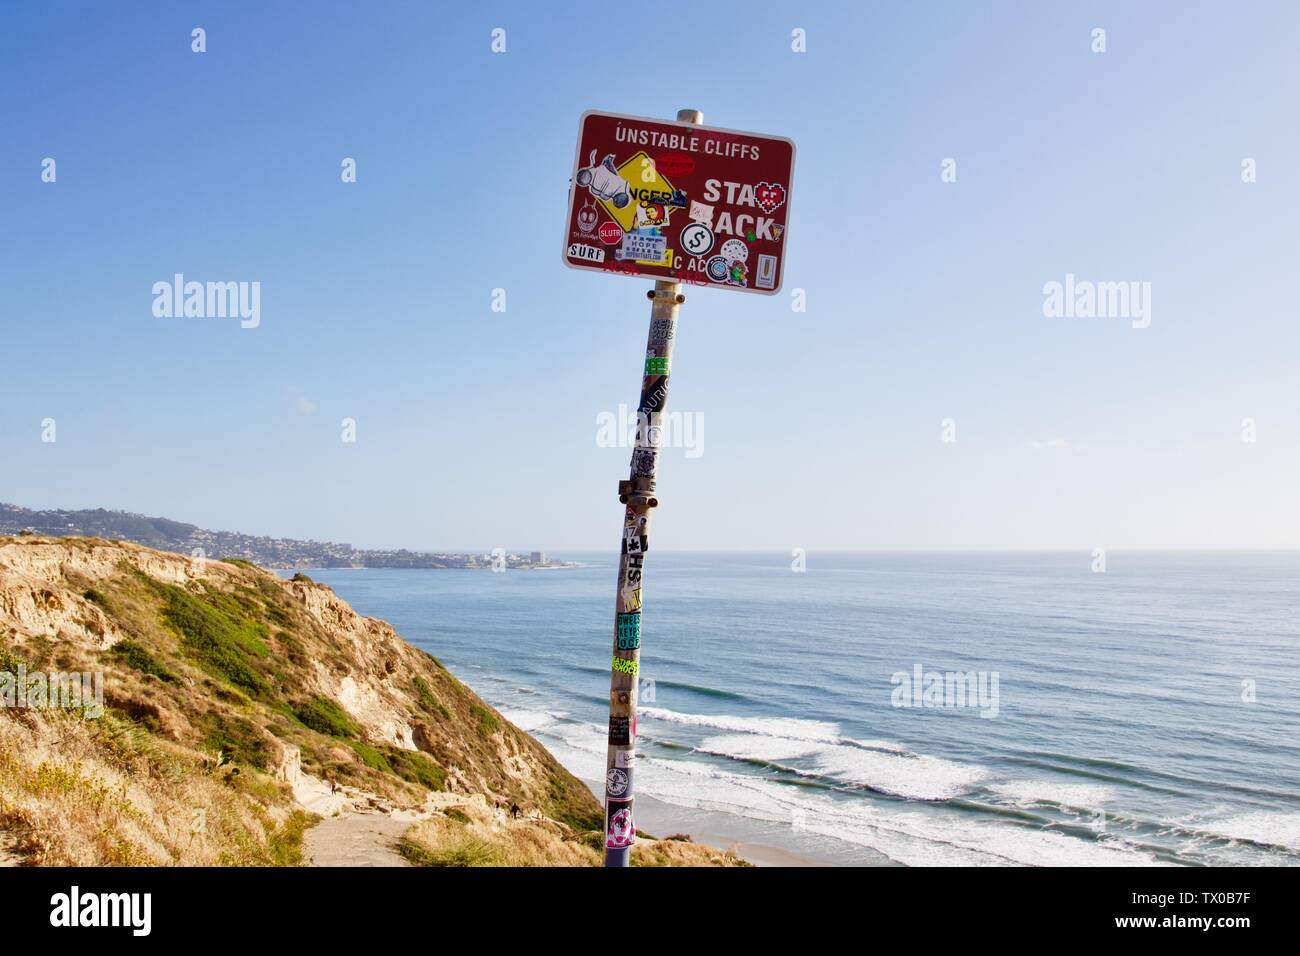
x,y
642,186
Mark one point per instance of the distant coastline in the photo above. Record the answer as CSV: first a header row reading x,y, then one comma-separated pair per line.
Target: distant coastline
x,y
288,554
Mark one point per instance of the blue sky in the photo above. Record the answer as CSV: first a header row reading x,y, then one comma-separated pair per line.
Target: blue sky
x,y
821,429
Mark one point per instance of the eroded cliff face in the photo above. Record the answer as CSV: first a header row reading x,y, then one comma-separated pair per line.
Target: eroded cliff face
x,y
232,692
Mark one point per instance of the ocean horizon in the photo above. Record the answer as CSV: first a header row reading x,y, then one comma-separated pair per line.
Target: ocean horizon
x,y
910,707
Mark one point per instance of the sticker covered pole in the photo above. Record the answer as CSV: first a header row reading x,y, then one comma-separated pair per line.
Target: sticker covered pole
x,y
637,495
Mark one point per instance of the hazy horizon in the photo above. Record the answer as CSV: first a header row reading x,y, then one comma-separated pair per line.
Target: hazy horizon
x,y
560,552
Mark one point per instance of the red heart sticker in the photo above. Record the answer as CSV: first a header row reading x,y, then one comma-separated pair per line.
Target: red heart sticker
x,y
769,196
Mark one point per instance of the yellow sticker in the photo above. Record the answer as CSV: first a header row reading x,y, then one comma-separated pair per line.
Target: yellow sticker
x,y
645,185
666,262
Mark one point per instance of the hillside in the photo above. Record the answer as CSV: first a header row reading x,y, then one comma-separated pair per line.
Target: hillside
x,y
239,710
168,535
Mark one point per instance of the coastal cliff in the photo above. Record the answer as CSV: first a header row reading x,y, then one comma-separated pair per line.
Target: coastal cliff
x,y
219,713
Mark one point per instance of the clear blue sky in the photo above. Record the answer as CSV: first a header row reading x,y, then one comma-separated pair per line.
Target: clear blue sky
x,y
821,429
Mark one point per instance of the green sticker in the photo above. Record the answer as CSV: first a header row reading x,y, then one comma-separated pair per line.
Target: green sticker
x,y
629,631
656,365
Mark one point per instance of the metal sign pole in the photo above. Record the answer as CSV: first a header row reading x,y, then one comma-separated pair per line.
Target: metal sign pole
x,y
638,495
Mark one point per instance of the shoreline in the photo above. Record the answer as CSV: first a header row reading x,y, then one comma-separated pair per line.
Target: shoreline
x,y
722,831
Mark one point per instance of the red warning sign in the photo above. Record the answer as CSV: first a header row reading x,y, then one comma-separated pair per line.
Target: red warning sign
x,y
660,199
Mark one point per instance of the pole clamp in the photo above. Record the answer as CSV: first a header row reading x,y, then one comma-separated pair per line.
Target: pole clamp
x,y
673,298
637,491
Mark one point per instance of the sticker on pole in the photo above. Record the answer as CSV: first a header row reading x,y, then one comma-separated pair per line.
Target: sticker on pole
x,y
660,199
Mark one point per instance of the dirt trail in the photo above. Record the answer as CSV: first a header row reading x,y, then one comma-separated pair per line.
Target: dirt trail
x,y
359,828
363,839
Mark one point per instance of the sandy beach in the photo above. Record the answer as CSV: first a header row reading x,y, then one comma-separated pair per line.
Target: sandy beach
x,y
741,836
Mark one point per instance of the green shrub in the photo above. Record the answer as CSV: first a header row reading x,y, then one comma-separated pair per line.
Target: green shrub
x,y
285,843
237,740
326,717
218,633
487,721
134,655
370,756
416,768
572,804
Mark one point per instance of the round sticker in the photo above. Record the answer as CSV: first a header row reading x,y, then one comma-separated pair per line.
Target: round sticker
x,y
717,269
734,250
697,238
616,782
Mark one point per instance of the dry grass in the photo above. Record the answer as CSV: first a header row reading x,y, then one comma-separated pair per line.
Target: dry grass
x,y
78,792
474,834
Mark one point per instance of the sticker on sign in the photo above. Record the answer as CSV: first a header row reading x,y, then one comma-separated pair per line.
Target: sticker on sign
x,y
681,202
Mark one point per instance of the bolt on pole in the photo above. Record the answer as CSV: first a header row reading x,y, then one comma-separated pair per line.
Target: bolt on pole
x,y
638,496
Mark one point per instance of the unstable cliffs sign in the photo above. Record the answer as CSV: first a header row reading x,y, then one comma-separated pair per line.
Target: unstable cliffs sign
x,y
667,200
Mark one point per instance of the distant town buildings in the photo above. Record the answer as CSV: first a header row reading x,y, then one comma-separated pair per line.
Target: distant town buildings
x,y
168,535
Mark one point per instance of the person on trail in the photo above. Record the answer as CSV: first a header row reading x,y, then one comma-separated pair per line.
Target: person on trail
x,y
514,810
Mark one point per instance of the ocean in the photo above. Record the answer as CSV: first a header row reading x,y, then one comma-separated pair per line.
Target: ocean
x,y
914,709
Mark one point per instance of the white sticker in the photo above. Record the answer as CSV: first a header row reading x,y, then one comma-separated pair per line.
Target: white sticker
x,y
733,250
617,782
766,278
642,248
580,250
701,213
